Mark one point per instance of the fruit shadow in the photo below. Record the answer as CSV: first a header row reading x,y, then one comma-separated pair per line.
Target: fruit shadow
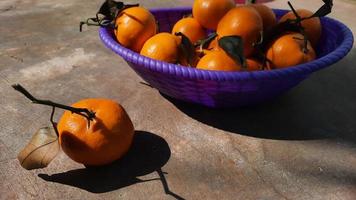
x,y
322,106
148,153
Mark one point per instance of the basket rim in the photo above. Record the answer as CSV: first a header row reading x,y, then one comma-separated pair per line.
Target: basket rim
x,y
193,73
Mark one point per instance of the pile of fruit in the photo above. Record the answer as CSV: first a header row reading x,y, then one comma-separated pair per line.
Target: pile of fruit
x,y
245,37
242,37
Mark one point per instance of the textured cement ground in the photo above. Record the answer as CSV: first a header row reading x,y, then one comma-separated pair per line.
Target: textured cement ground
x,y
300,146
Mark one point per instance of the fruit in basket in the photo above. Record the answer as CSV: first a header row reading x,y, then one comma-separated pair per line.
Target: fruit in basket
x,y
134,26
191,28
268,17
253,64
289,50
209,12
105,139
218,60
243,21
312,26
227,57
162,46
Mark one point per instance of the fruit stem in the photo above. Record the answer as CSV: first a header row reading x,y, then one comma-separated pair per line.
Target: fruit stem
x,y
54,124
298,21
89,115
88,24
203,43
294,11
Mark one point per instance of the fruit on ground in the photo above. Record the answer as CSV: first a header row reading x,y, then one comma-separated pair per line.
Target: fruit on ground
x,y
243,21
134,26
288,50
162,46
191,28
312,26
209,12
108,137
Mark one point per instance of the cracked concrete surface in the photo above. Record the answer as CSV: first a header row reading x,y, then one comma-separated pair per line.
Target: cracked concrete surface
x,y
300,146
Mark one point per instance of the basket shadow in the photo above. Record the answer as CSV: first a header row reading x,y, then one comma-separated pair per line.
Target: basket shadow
x,y
318,108
148,153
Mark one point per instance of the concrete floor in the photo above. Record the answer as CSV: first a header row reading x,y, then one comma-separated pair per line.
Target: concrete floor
x,y
300,146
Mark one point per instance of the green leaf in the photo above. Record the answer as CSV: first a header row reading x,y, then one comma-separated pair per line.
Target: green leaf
x,y
233,46
188,48
41,150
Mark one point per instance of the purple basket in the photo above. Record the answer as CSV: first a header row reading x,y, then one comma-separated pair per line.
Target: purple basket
x,y
229,89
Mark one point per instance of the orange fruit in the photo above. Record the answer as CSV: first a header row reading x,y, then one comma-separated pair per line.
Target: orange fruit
x,y
209,12
311,26
162,46
268,17
107,139
134,26
253,64
243,21
287,50
218,60
191,28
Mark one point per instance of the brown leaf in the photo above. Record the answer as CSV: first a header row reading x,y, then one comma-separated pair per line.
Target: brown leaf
x,y
41,150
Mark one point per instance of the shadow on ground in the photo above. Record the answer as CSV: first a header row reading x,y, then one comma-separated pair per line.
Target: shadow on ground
x,y
149,153
322,106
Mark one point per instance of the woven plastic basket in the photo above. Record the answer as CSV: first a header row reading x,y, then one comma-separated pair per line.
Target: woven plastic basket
x,y
229,89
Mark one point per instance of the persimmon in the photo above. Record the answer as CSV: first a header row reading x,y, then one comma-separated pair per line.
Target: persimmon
x,y
289,50
312,26
162,46
134,26
106,139
243,21
268,17
218,60
191,28
209,12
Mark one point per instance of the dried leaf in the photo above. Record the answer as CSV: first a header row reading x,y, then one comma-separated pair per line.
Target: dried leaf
x,y
41,150
110,9
325,9
233,46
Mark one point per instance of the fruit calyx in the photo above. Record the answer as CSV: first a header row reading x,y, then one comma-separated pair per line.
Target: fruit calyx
x,y
107,14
